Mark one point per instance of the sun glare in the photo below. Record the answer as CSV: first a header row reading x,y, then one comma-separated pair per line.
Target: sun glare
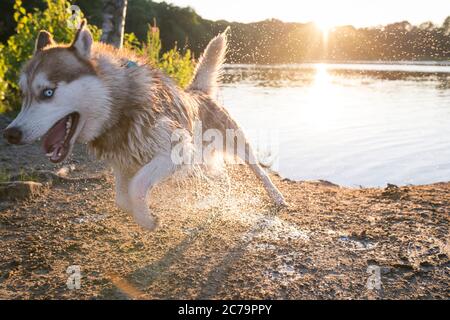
x,y
320,113
324,25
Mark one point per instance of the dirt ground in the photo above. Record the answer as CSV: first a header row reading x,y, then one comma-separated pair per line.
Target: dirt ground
x,y
220,238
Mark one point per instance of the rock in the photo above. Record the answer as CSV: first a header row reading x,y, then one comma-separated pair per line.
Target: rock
x,y
325,183
394,192
64,171
329,184
4,122
391,186
442,256
19,190
426,266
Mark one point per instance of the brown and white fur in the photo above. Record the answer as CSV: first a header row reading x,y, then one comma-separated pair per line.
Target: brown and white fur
x,y
126,115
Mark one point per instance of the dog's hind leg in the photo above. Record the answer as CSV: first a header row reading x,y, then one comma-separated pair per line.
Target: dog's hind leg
x,y
151,174
218,118
123,200
250,159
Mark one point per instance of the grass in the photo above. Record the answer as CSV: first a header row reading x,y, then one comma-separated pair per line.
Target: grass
x,y
5,176
26,176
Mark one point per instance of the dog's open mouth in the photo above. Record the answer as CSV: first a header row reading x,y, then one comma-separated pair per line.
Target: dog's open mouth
x,y
57,141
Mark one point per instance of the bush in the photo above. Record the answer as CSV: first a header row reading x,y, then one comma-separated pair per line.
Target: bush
x,y
3,83
19,48
179,66
176,64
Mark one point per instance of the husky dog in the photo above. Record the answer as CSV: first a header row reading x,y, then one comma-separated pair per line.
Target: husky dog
x,y
124,110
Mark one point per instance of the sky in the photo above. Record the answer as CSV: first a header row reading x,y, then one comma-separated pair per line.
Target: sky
x,y
327,13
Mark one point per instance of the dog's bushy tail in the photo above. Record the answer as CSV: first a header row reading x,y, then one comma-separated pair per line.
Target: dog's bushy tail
x,y
209,68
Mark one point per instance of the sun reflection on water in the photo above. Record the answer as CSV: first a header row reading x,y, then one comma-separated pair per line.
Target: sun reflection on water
x,y
320,111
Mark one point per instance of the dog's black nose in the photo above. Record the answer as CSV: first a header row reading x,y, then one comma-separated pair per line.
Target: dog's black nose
x,y
13,135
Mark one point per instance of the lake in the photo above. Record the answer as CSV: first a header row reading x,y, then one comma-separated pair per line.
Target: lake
x,y
351,124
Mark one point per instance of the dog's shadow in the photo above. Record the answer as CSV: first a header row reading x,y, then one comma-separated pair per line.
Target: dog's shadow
x,y
246,214
135,284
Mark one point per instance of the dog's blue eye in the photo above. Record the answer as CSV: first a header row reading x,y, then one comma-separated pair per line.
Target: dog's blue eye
x,y
48,93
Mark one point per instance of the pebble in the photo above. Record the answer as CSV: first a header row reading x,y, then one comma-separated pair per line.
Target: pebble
x,y
20,190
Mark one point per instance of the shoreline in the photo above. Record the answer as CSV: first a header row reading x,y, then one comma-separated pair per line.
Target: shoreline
x,y
35,159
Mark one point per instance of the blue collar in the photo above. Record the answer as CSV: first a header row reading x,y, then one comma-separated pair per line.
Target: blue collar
x,y
130,64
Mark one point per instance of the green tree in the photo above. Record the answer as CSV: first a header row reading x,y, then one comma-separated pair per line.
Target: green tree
x,y
54,18
446,26
114,13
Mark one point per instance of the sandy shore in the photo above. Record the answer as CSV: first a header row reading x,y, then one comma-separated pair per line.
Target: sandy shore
x,y
220,238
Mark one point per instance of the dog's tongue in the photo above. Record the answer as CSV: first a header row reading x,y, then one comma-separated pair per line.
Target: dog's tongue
x,y
58,153
54,141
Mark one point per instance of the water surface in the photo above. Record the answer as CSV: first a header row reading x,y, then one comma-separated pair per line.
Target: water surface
x,y
351,124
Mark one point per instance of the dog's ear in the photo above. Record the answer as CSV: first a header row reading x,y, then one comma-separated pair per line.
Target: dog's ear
x,y
44,39
83,41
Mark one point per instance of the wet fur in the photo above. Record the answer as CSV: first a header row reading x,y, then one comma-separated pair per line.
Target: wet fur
x,y
128,114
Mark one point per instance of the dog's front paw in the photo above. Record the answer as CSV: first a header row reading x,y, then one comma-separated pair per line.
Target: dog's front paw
x,y
150,224
278,199
281,203
124,205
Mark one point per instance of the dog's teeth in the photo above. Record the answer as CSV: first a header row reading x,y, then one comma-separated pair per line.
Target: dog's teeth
x,y
49,154
68,127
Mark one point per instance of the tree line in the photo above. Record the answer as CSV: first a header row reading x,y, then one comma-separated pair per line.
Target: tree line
x,y
269,41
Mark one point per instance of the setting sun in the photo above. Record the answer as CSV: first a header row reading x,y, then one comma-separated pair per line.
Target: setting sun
x,y
325,26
